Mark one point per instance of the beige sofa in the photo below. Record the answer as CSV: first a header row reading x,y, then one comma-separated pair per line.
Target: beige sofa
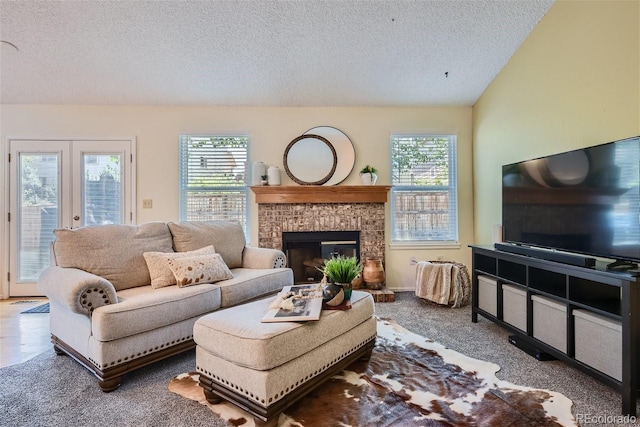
x,y
124,296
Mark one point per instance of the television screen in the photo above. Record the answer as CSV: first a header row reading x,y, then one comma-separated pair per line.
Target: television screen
x,y
585,201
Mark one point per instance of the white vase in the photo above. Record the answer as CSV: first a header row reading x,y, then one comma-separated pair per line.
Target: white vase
x,y
368,178
258,169
273,175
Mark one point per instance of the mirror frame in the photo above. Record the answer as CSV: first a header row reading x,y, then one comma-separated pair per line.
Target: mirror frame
x,y
300,180
344,150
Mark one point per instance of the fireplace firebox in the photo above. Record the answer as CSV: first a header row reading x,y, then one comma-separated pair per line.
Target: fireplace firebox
x,y
307,250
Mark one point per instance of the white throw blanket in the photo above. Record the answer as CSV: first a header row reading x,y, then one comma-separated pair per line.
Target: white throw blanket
x,y
441,283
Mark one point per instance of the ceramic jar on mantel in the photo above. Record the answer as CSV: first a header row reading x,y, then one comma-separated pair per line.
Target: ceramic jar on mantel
x,y
258,170
273,175
373,273
368,178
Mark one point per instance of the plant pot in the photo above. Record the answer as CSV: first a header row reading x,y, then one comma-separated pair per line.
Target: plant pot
x,y
333,294
373,273
368,178
347,288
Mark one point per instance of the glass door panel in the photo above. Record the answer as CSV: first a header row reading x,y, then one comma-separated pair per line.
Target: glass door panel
x,y
102,189
37,182
101,173
38,207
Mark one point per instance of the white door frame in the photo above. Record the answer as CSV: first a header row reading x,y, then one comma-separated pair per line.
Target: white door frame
x,y
5,203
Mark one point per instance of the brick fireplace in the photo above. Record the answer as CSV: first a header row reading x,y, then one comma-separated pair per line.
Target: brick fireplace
x,y
323,208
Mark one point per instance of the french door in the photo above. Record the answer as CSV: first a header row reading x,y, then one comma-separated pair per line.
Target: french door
x,y
62,183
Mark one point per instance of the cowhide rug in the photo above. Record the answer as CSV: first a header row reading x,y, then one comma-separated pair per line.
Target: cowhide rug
x,y
409,381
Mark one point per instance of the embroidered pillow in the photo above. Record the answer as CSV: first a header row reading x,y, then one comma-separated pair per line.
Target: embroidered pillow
x,y
199,269
158,265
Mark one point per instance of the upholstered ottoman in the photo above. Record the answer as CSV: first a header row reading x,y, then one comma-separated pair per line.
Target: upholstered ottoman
x,y
265,367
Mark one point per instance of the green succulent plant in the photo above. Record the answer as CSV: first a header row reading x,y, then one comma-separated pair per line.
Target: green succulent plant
x,y
369,169
341,269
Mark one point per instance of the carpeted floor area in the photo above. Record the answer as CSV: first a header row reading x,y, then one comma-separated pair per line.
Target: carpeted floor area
x,y
55,390
487,341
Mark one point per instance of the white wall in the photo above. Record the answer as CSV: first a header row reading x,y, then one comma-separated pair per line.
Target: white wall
x,y
157,129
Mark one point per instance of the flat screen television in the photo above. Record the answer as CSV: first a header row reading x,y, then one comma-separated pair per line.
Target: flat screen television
x,y
585,201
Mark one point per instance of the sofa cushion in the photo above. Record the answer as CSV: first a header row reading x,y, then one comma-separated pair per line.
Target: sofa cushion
x,y
250,283
144,309
158,265
226,236
112,251
237,334
199,269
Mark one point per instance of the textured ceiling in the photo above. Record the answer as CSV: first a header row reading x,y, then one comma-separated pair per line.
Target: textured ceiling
x,y
260,53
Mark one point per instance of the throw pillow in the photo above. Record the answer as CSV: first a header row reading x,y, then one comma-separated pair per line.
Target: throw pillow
x,y
158,265
199,269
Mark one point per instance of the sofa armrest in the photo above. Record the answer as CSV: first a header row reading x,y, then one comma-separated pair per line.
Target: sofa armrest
x,y
77,290
263,258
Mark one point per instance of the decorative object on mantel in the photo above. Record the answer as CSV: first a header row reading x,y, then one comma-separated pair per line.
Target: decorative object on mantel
x,y
264,180
273,175
258,169
310,160
369,175
341,271
345,153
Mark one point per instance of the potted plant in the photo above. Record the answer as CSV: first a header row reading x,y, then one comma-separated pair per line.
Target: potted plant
x,y
340,271
369,175
264,179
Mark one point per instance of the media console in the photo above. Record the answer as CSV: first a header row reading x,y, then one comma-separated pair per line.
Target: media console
x,y
546,305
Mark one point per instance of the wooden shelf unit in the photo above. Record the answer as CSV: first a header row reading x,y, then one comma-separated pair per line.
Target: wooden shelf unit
x,y
614,295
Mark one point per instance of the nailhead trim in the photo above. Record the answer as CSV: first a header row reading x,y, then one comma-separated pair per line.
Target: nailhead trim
x,y
140,354
280,261
292,386
88,305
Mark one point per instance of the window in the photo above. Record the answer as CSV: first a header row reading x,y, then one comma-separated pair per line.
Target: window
x,y
424,189
213,184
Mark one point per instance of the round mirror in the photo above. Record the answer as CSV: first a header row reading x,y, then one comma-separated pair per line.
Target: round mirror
x,y
310,160
345,152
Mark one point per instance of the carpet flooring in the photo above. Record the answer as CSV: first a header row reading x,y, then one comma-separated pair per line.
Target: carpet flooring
x,y
55,390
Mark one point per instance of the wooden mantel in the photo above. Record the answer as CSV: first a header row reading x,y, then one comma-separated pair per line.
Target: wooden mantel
x,y
321,194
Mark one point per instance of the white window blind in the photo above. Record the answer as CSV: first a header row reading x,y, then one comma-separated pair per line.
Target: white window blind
x,y
424,191
213,179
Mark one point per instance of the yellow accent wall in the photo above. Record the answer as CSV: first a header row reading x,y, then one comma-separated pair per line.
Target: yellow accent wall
x,y
575,82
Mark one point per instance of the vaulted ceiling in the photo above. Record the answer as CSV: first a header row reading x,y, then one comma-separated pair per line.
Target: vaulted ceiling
x,y
259,52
